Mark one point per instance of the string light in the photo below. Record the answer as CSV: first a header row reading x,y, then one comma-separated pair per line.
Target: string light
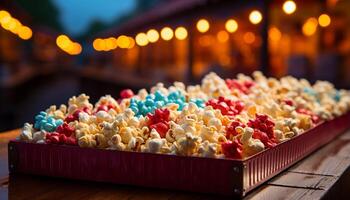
x,y
67,45
203,25
123,42
152,35
289,7
310,26
324,20
141,39
255,17
181,33
274,34
167,33
14,25
231,25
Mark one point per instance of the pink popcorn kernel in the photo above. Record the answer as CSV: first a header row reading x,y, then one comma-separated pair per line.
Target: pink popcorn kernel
x,y
231,129
226,106
232,149
159,121
126,93
242,87
263,130
65,129
315,119
75,115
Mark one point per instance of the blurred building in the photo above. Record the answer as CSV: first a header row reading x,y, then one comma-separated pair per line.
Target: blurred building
x,y
231,36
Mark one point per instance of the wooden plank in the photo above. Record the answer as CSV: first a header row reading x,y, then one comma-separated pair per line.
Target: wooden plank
x,y
270,192
333,159
301,180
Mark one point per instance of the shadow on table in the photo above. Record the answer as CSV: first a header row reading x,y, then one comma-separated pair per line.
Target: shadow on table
x,y
38,187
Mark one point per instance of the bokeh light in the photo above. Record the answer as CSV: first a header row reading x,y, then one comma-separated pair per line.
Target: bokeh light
x,y
203,25
274,34
289,7
231,25
123,41
310,26
249,37
181,33
141,39
222,36
255,17
324,20
152,35
167,33
25,33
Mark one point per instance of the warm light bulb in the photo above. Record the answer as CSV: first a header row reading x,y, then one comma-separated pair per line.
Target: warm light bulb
x,y
203,25
98,44
167,33
141,39
310,26
324,20
25,33
181,33
289,7
152,35
231,25
274,34
255,17
123,41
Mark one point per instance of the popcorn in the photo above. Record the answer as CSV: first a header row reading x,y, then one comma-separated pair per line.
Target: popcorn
x,y
46,122
27,132
232,118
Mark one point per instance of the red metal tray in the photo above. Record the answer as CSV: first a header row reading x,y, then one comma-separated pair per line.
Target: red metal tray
x,y
208,175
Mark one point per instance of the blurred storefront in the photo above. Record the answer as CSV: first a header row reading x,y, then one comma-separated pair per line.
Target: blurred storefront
x,y
308,40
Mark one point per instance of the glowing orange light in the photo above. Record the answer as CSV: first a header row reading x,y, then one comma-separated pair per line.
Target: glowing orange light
x,y
123,41
131,43
141,39
152,35
181,33
99,44
255,17
113,43
63,41
231,25
66,44
203,25
274,34
310,26
289,7
222,36
324,20
25,33
249,37
167,33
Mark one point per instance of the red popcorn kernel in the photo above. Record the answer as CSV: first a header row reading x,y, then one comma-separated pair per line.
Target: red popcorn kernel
x,y
232,149
231,129
65,129
126,93
52,138
105,107
71,141
159,121
314,118
263,130
226,106
242,87
75,115
288,102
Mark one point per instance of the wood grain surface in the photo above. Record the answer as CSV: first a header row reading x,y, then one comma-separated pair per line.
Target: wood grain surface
x,y
324,174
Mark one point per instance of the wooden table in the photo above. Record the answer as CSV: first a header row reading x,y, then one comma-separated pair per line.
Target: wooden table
x,y
324,174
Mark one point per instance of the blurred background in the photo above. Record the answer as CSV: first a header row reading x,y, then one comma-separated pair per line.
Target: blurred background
x,y
53,49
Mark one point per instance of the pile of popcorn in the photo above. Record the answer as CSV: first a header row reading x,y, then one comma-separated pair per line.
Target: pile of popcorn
x,y
233,118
